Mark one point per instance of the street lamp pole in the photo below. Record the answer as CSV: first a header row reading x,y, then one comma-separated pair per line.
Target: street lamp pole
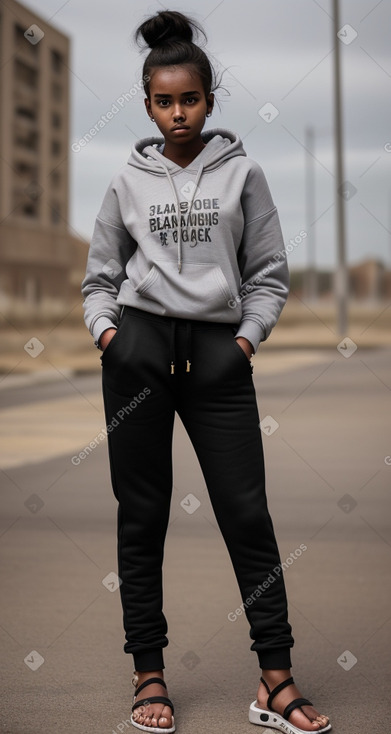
x,y
341,274
311,285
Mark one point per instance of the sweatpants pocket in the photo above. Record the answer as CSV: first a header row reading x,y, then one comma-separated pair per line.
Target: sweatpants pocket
x,y
113,343
237,348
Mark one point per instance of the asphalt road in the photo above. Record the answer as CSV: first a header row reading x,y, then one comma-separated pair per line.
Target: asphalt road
x,y
328,477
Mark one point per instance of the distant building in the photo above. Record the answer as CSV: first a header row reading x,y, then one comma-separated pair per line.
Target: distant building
x,y
36,247
368,280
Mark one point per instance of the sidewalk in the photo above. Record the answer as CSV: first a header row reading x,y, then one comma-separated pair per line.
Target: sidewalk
x,y
63,665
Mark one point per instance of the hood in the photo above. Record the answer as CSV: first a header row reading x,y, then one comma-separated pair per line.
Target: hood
x,y
220,145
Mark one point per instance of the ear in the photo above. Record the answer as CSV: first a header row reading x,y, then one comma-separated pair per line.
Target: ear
x,y
210,100
147,103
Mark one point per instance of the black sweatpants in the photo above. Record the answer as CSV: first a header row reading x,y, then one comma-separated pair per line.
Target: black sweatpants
x,y
154,366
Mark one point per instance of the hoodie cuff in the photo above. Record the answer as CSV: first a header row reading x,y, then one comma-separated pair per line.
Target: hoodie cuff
x,y
100,326
253,332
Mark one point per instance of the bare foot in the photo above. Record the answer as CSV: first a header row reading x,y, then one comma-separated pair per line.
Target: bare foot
x,y
153,714
305,717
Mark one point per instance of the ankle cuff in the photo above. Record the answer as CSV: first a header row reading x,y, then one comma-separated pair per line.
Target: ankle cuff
x,y
148,660
277,659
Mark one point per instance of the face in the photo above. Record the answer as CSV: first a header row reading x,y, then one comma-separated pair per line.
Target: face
x,y
178,103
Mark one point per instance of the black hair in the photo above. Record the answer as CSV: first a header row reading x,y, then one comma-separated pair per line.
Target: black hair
x,y
169,34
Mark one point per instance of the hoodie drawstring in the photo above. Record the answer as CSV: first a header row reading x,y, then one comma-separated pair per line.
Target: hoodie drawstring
x,y
179,229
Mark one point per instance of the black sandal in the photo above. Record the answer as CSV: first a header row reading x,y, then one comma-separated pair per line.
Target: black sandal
x,y
268,717
152,699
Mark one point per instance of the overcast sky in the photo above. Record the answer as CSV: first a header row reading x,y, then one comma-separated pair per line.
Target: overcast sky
x,y
278,52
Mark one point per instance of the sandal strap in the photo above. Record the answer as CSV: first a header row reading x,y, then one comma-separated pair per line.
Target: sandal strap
x,y
154,699
148,682
295,705
265,684
277,690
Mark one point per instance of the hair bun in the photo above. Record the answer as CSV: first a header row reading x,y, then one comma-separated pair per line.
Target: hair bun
x,y
166,26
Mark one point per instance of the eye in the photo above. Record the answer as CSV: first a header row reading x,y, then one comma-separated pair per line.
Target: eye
x,y
191,100
163,103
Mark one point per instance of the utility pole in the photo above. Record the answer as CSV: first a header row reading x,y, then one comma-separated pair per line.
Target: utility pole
x,y
311,281
341,274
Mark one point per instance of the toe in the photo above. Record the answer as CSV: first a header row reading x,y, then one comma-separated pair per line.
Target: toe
x,y
323,720
165,718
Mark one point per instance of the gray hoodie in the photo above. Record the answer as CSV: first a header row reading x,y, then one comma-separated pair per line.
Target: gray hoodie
x,y
202,242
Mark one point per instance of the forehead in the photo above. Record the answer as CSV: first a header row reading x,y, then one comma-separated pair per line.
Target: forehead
x,y
175,80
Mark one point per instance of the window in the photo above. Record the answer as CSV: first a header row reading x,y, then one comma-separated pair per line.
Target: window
x,y
55,147
28,113
30,209
22,43
56,120
55,179
25,74
56,92
57,61
25,169
26,138
55,212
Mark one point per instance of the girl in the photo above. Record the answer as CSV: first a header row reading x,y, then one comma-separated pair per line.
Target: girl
x,y
186,275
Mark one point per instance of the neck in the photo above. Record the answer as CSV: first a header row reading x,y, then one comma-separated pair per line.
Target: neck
x,y
183,155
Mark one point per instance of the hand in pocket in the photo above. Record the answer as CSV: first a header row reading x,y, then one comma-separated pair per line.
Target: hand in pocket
x,y
106,338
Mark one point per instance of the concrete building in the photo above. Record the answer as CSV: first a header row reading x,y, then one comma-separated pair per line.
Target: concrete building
x,y
36,247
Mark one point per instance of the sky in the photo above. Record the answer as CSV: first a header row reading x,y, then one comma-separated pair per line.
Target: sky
x,y
278,53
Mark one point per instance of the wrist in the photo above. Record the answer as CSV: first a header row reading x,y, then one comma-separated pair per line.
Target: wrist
x,y
105,337
246,345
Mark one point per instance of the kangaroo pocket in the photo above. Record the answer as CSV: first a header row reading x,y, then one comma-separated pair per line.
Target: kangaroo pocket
x,y
198,289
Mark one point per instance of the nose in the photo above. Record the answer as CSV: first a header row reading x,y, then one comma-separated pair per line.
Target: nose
x,y
179,114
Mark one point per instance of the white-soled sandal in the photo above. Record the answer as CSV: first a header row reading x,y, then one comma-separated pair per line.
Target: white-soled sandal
x,y
270,719
147,701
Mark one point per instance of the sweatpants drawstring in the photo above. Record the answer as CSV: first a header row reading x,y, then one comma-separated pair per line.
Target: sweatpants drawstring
x,y
172,345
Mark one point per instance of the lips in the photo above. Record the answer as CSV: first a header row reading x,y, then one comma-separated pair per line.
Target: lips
x,y
180,127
